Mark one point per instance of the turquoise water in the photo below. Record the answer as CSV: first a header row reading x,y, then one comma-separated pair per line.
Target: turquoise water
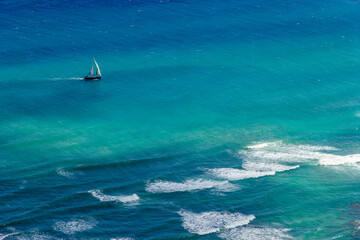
x,y
213,120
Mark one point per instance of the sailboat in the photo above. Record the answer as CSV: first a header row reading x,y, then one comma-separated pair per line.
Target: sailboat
x,y
91,75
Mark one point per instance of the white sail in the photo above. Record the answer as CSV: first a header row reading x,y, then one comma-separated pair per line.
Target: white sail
x,y
98,69
92,69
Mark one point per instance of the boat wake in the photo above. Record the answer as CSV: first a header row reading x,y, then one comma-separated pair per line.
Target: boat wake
x,y
67,79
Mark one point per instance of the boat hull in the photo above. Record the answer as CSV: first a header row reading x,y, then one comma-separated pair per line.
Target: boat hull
x,y
92,78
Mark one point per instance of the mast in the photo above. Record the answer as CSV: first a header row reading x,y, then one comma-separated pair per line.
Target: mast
x,y
98,69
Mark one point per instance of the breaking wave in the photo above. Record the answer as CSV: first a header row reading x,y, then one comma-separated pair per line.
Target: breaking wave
x,y
65,173
210,222
330,159
252,233
258,161
267,154
278,152
108,198
265,159
189,185
233,174
74,226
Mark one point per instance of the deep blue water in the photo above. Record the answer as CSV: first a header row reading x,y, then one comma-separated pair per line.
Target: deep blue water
x,y
213,120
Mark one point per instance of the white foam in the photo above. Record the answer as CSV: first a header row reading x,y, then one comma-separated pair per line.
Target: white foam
x,y
267,166
108,198
279,153
189,185
233,174
74,226
210,222
331,159
268,158
251,233
265,159
4,236
35,235
340,236
65,173
256,146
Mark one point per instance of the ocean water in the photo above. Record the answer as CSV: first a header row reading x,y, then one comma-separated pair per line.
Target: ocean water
x,y
213,120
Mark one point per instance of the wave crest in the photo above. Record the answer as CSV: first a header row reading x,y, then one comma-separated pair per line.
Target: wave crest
x,y
189,185
210,222
233,174
74,226
252,233
108,198
279,152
